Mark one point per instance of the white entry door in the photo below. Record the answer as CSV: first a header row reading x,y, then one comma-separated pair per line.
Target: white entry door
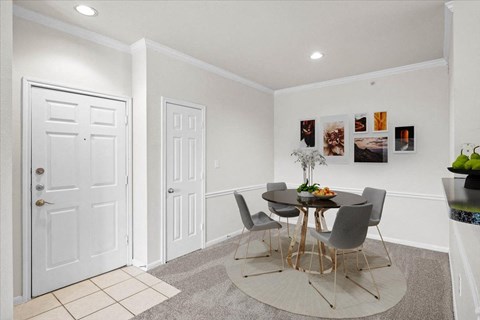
x,y
79,192
184,155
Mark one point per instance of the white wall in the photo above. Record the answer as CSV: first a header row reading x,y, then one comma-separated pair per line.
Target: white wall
x,y
53,56
466,79
465,106
6,257
415,194
239,133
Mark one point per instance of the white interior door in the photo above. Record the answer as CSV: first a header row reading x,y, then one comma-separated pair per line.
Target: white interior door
x,y
79,192
184,157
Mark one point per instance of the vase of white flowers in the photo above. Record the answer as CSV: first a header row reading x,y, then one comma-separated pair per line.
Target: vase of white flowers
x,y
308,158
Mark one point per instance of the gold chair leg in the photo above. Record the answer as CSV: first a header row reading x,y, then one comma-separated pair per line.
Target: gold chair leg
x,y
280,248
247,257
377,296
288,228
389,264
263,237
334,304
238,244
385,247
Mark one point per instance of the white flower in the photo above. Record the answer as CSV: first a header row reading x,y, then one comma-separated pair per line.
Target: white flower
x,y
308,158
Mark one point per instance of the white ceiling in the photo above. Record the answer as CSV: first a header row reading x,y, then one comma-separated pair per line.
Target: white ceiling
x,y
270,42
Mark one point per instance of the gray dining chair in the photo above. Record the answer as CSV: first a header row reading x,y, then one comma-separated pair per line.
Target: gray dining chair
x,y
348,232
257,222
281,210
377,198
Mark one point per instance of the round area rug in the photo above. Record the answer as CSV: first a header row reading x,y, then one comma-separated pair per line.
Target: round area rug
x,y
290,291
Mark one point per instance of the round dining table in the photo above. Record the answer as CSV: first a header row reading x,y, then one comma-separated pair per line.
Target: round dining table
x,y
290,197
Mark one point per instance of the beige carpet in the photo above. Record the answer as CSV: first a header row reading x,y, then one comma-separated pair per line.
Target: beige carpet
x,y
208,293
290,291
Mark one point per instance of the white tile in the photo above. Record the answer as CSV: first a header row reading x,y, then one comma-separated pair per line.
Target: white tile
x,y
35,307
113,312
110,278
148,279
166,289
125,289
89,304
75,291
59,313
143,301
133,271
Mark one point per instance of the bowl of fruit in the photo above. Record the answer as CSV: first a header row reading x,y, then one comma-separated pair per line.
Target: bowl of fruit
x,y
324,193
469,166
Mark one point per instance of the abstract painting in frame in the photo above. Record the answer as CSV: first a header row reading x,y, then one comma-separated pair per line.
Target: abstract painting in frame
x,y
380,123
404,139
360,123
371,149
307,133
335,138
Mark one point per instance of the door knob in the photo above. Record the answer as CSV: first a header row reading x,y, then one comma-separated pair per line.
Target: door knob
x,y
40,171
171,190
41,202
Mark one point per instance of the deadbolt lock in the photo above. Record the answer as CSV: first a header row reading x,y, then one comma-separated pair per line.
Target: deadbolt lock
x,y
40,171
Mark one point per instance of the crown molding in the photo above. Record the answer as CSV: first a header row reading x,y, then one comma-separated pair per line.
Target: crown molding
x,y
160,48
70,29
366,76
449,5
120,46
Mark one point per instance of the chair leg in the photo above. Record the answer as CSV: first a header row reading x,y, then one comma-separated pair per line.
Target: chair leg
x,y
334,304
311,259
247,257
263,237
377,296
389,264
238,244
270,242
288,228
280,248
385,247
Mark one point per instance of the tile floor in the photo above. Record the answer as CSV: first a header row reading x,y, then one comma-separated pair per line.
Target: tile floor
x,y
120,294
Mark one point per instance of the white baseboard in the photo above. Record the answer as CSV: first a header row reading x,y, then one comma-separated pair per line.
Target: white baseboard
x,y
19,300
410,243
154,264
139,264
222,238
146,267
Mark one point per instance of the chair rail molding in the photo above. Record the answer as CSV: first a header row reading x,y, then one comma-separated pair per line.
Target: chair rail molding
x,y
227,192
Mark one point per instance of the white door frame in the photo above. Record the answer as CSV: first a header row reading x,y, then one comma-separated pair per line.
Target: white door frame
x,y
163,184
27,85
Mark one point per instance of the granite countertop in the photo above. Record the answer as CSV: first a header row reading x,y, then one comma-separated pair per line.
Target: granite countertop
x,y
464,203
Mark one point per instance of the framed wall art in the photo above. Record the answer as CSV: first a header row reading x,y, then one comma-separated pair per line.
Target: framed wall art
x,y
360,123
380,123
404,140
334,133
371,149
307,133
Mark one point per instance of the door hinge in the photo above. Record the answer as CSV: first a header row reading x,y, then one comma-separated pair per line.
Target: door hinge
x,y
126,119
127,239
126,180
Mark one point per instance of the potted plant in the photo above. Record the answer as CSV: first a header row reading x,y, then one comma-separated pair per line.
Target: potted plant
x,y
305,190
308,158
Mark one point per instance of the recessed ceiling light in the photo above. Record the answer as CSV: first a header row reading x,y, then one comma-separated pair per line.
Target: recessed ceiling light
x,y
316,55
86,10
